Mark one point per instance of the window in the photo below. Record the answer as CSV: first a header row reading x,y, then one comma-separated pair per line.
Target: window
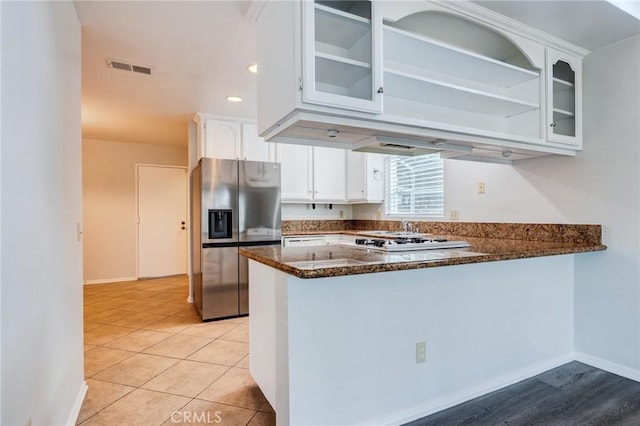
x,y
415,186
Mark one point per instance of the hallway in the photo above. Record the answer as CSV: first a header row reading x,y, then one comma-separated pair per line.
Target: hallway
x,y
149,360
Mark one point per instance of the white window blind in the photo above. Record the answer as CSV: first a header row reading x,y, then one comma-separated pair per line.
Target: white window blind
x,y
415,186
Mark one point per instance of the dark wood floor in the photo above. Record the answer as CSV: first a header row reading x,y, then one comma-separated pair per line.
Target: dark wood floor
x,y
574,394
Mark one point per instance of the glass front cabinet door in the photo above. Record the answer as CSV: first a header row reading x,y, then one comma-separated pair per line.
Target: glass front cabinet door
x,y
341,55
564,98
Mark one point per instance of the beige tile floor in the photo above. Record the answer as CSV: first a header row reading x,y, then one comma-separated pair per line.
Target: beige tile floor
x,y
149,360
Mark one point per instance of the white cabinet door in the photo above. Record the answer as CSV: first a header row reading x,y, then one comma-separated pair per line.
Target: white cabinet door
x,y
342,55
222,139
365,177
564,98
329,174
254,147
356,176
375,177
295,169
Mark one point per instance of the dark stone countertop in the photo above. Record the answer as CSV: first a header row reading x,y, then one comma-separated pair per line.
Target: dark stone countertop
x,y
341,260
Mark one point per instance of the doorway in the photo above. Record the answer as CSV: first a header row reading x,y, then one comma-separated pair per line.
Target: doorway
x,y
161,220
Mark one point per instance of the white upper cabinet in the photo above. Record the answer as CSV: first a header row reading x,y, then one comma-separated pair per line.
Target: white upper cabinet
x,y
447,77
230,139
222,139
341,55
329,174
296,163
312,174
254,148
564,98
365,177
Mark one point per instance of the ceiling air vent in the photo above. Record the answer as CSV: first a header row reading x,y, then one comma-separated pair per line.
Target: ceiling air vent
x,y
124,66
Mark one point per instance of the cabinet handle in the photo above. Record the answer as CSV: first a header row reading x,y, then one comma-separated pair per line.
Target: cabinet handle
x,y
381,89
552,124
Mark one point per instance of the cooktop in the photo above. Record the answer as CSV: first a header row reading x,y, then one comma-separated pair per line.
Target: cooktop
x,y
407,244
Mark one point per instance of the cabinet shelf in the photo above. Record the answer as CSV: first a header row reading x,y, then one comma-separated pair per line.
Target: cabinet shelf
x,y
418,88
339,28
561,86
339,71
562,113
437,56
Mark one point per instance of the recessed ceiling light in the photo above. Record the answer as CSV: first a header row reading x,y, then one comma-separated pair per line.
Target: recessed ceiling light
x,y
253,68
234,98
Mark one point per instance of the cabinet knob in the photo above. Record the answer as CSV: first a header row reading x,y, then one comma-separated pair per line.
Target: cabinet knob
x,y
381,89
552,124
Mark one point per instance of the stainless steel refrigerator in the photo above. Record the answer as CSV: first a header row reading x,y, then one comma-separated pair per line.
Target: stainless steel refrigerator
x,y
233,204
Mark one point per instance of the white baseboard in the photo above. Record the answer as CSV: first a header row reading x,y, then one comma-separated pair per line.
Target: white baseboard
x,y
77,405
472,392
609,366
110,280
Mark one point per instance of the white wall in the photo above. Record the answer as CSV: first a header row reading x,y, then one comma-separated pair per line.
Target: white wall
x,y
322,211
42,354
599,185
109,203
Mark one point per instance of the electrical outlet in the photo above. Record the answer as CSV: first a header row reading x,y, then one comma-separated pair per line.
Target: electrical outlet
x,y
28,422
341,214
480,187
378,214
454,214
421,352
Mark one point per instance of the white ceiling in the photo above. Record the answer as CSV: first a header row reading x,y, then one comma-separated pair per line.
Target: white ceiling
x,y
590,24
199,52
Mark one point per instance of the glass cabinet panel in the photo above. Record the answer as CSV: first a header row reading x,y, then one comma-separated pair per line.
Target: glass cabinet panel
x,y
564,99
341,64
564,104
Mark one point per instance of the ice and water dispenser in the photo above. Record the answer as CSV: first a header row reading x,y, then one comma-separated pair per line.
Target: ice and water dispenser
x,y
220,224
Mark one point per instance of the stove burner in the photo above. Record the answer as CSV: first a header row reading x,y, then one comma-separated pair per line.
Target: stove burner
x,y
409,243
370,242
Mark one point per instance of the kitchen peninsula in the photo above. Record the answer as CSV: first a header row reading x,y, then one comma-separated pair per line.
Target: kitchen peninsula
x,y
341,348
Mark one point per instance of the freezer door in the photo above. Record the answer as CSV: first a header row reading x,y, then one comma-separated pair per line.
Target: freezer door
x,y
258,201
219,282
219,200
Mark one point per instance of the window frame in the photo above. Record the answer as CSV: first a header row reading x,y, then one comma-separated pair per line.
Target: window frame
x,y
438,186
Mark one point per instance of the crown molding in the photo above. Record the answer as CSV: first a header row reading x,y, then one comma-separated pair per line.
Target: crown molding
x,y
493,19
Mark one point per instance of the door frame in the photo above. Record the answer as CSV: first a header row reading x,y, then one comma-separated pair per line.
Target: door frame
x,y
136,215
